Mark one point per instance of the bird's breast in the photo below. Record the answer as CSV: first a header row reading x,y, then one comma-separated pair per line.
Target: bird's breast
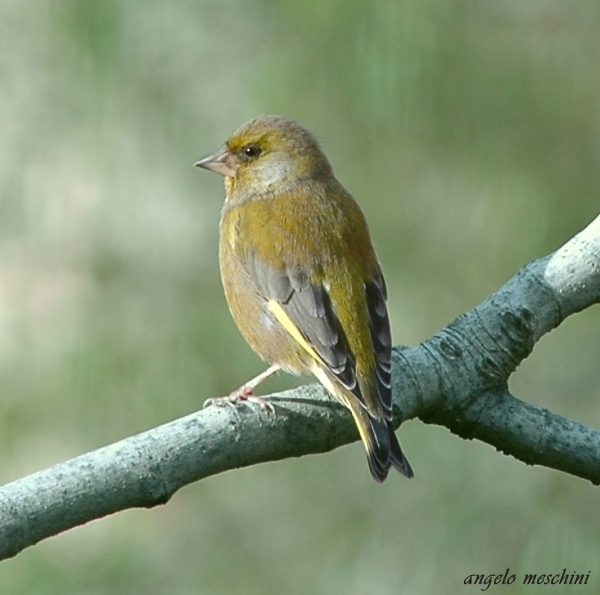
x,y
249,308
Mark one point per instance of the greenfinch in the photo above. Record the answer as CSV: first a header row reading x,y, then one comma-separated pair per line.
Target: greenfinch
x,y
301,276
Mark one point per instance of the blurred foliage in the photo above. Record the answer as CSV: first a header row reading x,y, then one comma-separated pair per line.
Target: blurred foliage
x,y
468,132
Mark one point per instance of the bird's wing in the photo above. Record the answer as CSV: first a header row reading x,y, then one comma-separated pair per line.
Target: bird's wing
x,y
381,338
305,310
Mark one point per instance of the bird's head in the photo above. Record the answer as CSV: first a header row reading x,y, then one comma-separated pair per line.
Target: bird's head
x,y
267,154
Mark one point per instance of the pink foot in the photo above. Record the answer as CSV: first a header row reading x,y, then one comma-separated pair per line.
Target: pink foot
x,y
243,394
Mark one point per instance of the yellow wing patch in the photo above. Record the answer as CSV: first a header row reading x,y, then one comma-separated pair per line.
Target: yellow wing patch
x,y
291,328
317,367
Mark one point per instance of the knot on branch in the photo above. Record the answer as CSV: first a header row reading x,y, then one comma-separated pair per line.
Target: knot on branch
x,y
490,341
510,345
518,326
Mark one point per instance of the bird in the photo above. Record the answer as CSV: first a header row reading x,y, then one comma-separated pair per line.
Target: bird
x,y
301,277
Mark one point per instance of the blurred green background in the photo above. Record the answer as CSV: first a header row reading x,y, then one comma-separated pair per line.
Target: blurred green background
x,y
470,134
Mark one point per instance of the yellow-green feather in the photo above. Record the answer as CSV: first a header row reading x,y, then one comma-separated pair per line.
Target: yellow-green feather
x,y
327,237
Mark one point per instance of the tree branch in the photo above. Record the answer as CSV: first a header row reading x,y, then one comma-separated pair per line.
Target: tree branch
x,y
457,378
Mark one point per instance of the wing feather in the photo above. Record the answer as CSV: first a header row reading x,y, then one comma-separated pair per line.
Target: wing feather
x,y
308,306
381,338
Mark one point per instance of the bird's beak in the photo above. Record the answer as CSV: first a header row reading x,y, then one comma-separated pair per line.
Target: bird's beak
x,y
222,162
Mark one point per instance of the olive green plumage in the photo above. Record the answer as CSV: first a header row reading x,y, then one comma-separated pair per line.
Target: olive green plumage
x,y
301,277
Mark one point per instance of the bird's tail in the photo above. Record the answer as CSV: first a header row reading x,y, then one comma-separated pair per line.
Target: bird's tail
x,y
381,443
378,436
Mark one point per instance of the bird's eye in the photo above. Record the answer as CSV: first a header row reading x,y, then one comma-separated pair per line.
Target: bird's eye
x,y
251,151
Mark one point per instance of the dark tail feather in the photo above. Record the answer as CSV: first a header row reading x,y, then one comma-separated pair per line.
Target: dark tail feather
x,y
382,446
397,458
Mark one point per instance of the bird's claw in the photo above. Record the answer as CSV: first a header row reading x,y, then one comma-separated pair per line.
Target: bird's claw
x,y
243,394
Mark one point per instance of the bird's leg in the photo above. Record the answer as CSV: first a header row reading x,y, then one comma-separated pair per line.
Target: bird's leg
x,y
245,392
246,389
